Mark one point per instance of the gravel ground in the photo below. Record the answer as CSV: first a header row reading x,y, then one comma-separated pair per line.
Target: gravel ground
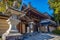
x,y
41,36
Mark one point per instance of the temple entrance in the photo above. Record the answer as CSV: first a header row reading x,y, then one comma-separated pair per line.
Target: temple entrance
x,y
27,28
35,28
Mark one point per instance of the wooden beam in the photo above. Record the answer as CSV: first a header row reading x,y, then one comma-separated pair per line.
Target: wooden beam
x,y
37,19
1,17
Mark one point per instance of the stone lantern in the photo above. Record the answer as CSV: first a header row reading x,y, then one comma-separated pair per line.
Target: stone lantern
x,y
12,31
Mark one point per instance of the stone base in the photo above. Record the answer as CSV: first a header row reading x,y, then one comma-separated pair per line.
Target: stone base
x,y
13,36
17,37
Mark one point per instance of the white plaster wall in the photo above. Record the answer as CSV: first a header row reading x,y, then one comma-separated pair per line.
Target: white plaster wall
x,y
52,28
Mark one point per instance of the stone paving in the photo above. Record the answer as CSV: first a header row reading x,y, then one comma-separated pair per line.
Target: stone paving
x,y
41,36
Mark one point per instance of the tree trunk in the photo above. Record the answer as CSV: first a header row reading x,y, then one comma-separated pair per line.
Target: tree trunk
x,y
57,22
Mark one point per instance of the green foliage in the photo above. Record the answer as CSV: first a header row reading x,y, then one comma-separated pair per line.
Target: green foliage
x,y
9,3
55,5
2,7
57,16
56,32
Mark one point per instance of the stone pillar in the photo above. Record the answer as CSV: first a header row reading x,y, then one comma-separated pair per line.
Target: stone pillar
x,y
47,28
28,30
31,26
12,24
12,31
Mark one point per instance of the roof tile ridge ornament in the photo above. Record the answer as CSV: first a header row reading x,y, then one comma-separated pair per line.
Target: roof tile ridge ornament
x,y
29,5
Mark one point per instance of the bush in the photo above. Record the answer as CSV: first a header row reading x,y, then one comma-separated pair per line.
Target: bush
x,y
0,36
56,32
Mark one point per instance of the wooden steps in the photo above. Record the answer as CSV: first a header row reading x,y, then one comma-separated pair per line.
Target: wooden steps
x,y
3,26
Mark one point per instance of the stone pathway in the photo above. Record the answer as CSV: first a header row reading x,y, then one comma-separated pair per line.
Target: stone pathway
x,y
41,36
55,37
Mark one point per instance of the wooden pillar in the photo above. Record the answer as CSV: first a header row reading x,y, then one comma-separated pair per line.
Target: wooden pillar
x,y
20,27
23,28
48,29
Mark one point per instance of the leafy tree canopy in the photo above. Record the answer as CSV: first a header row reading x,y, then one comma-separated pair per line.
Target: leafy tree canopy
x,y
55,5
9,3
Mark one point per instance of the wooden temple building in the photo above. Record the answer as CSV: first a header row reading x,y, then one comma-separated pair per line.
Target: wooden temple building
x,y
28,16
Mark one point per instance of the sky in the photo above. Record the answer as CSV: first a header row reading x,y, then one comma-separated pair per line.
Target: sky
x,y
40,5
